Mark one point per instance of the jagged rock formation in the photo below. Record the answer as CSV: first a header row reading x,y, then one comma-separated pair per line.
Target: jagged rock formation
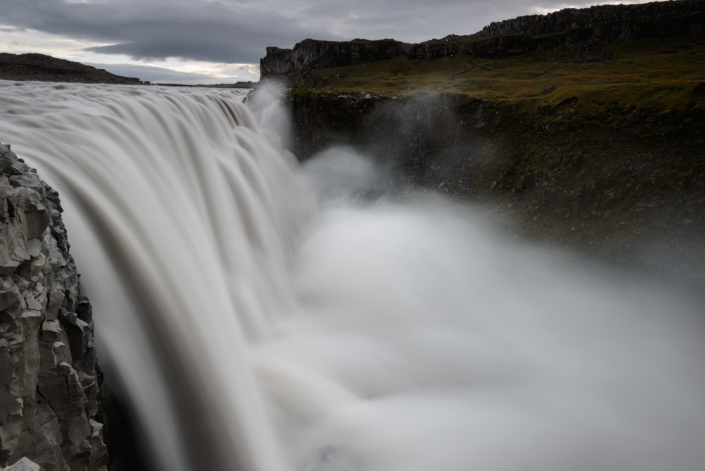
x,y
605,24
49,388
50,69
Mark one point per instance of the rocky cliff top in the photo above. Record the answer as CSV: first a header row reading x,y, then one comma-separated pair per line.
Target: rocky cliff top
x,y
50,69
605,24
575,18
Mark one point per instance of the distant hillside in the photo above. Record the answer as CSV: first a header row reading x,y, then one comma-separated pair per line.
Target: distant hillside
x,y
50,69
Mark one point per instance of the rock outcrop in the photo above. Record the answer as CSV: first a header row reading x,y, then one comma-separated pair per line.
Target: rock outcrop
x,y
311,53
582,18
605,24
45,68
49,387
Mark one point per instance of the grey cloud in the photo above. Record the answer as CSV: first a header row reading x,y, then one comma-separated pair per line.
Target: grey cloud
x,y
238,31
153,29
151,73
414,20
421,20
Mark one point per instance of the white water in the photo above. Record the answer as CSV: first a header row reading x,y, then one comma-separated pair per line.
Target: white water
x,y
257,334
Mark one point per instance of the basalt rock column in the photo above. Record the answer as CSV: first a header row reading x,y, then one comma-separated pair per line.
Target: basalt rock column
x,y
48,382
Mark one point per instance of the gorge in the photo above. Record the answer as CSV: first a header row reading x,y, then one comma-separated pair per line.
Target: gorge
x,y
258,326
585,125
483,251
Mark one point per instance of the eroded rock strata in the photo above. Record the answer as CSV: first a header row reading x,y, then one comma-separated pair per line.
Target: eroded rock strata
x,y
49,387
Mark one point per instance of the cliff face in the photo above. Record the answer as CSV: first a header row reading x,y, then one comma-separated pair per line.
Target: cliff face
x,y
604,24
46,68
311,54
623,185
578,18
328,54
582,127
49,386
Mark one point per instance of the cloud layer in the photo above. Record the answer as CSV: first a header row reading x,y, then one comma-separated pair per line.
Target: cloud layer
x,y
154,29
153,74
237,31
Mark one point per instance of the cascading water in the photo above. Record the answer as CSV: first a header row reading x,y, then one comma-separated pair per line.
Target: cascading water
x,y
178,220
255,332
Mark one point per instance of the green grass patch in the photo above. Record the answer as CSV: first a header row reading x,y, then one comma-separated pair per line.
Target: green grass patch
x,y
655,74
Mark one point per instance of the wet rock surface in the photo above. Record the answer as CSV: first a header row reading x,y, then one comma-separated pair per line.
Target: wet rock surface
x,y
49,388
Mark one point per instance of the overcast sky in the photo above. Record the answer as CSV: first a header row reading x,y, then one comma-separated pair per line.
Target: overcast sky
x,y
216,41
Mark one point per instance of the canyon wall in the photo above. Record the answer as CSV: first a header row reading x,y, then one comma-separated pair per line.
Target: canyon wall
x,y
614,176
49,381
623,185
575,18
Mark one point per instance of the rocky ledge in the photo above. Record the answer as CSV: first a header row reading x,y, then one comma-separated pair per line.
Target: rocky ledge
x,y
49,380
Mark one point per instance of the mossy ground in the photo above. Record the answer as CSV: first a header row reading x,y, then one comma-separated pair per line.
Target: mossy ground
x,y
610,162
659,74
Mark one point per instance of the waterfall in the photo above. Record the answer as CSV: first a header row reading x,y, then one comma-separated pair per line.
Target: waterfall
x,y
182,218
266,316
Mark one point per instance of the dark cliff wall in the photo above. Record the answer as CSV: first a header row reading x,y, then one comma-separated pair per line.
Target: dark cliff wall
x,y
593,167
49,386
577,18
328,54
621,184
606,24
310,54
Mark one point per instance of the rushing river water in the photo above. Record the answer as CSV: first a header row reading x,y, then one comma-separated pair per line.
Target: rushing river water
x,y
267,317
